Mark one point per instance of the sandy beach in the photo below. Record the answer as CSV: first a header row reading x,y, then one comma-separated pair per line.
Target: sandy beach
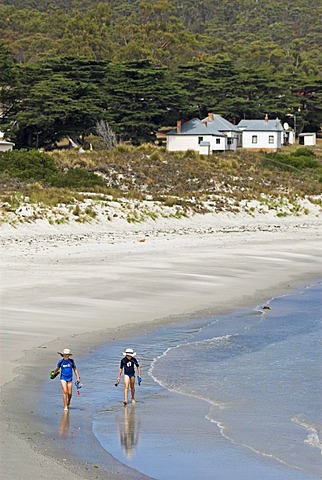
x,y
80,286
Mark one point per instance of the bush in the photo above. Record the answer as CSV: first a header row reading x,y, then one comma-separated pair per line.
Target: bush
x,y
301,159
28,165
303,152
77,178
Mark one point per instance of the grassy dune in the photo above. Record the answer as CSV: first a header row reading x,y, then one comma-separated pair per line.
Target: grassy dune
x,y
136,183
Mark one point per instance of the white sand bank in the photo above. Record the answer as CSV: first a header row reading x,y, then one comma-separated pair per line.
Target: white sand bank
x,y
79,286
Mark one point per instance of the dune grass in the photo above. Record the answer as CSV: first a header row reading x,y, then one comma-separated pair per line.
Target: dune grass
x,y
182,180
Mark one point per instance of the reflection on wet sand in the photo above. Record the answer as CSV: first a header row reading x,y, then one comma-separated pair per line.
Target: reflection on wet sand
x,y
129,431
64,425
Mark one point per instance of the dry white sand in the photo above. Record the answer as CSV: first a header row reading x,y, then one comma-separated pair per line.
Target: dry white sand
x,y
79,286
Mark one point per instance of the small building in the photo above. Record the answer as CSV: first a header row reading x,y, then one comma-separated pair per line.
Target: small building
x,y
195,135
6,146
204,148
308,139
262,135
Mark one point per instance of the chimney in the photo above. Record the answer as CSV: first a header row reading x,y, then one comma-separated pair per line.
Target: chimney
x,y
266,118
204,122
210,116
179,124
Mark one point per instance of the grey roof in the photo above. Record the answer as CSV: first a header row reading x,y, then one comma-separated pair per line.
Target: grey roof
x,y
220,124
261,125
195,127
307,134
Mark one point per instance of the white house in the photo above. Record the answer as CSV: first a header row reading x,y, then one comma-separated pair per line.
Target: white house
x,y
217,123
195,135
266,135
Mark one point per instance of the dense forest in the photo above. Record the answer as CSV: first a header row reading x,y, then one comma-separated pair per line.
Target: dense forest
x,y
66,65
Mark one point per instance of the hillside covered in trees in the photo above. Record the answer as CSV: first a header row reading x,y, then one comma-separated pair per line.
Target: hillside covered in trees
x,y
67,64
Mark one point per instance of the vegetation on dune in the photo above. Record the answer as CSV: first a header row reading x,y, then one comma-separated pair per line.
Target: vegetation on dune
x,y
109,74
148,172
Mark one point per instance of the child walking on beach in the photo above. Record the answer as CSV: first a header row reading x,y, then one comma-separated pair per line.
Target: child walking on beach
x,y
127,364
66,366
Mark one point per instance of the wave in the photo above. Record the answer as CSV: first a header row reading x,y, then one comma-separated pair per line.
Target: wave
x,y
312,438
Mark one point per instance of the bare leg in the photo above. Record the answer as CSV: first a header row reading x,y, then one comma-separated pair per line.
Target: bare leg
x,y
69,392
132,385
126,388
65,393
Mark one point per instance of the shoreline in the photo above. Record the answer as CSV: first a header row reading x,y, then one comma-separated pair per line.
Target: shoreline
x,y
242,268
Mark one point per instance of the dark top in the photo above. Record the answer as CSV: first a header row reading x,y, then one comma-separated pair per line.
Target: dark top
x,y
128,365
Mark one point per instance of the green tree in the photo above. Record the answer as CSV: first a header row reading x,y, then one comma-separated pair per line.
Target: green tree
x,y
140,97
54,99
154,32
89,35
7,82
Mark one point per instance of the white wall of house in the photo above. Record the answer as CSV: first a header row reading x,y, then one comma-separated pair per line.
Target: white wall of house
x,y
176,143
266,140
218,144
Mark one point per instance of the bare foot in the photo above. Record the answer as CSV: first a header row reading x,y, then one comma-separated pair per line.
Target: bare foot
x,y
66,409
124,402
133,400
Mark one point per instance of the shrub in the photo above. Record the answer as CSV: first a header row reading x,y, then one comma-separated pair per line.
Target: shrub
x,y
77,178
155,156
303,152
299,160
28,165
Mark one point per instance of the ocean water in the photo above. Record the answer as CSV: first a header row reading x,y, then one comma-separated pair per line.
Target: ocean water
x,y
236,396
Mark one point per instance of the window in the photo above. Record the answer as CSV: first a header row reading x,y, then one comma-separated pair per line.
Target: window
x,y
217,141
271,139
254,138
200,139
229,141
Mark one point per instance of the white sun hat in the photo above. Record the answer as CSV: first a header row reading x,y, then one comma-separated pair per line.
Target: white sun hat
x,y
66,351
129,351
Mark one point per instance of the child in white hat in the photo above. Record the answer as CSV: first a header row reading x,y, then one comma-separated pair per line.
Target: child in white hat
x,y
66,366
128,364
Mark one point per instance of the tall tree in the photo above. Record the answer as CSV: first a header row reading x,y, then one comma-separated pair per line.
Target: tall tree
x,y
140,97
7,82
54,99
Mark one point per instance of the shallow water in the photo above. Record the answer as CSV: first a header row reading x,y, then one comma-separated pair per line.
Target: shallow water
x,y
234,396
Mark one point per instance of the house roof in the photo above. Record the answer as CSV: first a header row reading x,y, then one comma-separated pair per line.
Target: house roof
x,y
261,125
220,124
195,127
4,142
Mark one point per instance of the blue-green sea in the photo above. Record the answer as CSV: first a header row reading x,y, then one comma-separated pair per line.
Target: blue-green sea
x,y
236,396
